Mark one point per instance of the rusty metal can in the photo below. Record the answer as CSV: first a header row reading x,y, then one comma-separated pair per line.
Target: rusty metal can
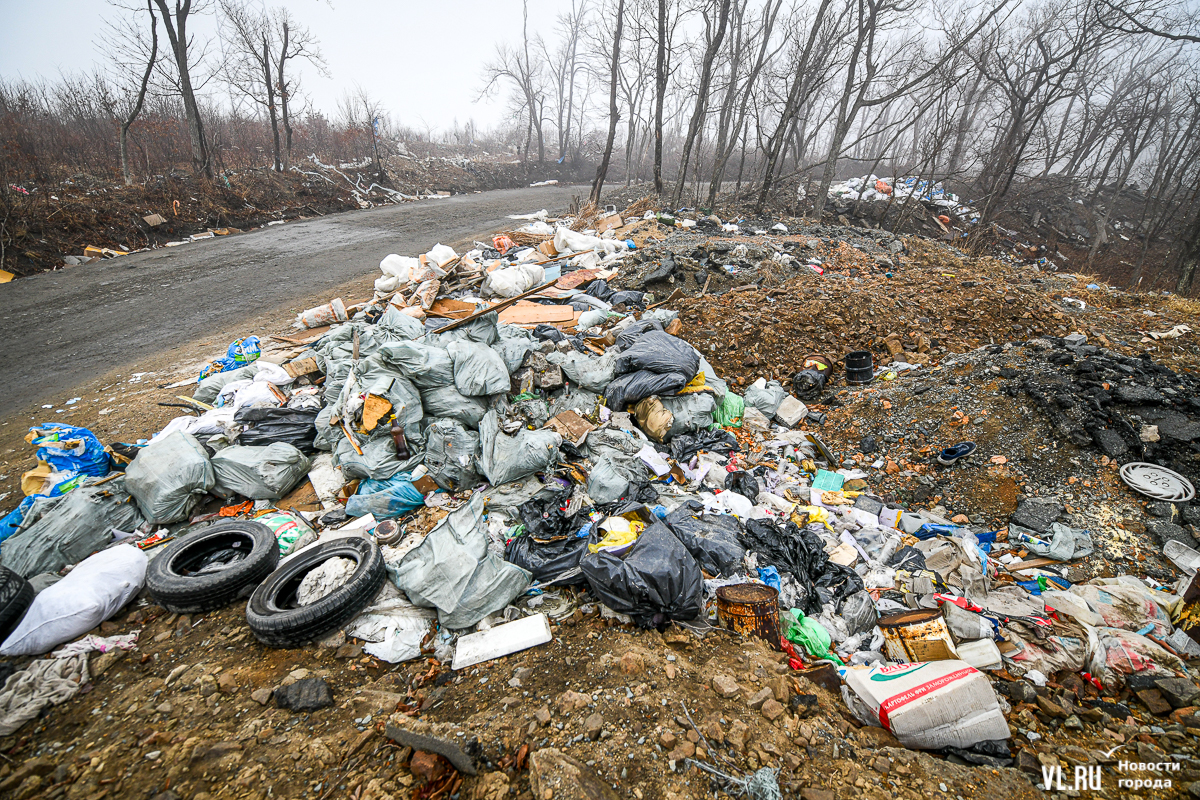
x,y
751,609
919,635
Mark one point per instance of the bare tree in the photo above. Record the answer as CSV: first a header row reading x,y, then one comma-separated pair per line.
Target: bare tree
x,y
126,63
565,65
519,68
705,78
176,27
613,109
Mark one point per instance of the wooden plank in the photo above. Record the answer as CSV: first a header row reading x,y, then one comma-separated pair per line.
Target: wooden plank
x,y
1034,563
375,408
498,307
303,366
536,313
450,308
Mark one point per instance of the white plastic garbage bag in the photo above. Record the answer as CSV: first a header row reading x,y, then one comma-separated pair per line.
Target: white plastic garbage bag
x,y
512,281
397,271
91,593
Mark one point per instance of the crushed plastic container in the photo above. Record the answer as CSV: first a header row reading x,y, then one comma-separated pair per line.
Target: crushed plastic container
x,y
927,706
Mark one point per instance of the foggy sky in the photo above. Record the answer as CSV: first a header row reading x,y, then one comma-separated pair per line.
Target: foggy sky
x,y
423,60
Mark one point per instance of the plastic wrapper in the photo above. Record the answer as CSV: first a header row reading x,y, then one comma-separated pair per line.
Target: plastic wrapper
x,y
446,402
258,473
453,571
70,452
385,499
549,515
169,477
631,387
294,426
1117,654
653,581
91,593
712,539
660,352
425,366
765,398
450,454
478,369
504,458
1064,544
63,530
808,633
512,281
729,413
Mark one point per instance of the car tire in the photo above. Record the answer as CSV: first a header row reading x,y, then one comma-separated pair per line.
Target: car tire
x,y
276,620
175,585
16,595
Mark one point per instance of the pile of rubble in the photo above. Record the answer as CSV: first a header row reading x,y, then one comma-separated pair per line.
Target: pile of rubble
x,y
501,445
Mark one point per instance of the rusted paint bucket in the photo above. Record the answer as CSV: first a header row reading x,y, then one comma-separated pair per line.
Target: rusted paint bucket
x,y
919,635
751,609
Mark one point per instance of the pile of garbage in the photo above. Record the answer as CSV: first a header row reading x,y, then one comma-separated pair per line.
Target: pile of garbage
x,y
863,192
498,437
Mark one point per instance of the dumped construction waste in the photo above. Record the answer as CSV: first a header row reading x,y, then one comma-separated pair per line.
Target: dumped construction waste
x,y
633,503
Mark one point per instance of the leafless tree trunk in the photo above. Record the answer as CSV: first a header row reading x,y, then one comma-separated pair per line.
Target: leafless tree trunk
x,y
613,111
660,92
176,26
128,121
702,84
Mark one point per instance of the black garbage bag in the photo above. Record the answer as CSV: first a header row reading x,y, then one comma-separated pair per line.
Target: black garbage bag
x,y
628,297
686,445
295,426
548,560
632,333
653,581
801,553
545,516
909,558
630,388
712,539
599,289
744,484
660,352
549,333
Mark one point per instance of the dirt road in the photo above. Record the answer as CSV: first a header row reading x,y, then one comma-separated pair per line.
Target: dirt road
x,y
63,329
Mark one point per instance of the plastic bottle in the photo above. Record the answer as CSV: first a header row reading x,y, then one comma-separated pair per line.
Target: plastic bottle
x,y
398,438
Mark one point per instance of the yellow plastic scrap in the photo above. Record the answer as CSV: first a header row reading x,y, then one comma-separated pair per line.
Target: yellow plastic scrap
x,y
835,499
618,532
803,515
808,466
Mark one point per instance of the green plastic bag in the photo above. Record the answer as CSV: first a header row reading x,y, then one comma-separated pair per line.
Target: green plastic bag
x,y
729,413
810,635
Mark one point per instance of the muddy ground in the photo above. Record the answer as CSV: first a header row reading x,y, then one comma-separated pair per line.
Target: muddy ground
x,y
179,713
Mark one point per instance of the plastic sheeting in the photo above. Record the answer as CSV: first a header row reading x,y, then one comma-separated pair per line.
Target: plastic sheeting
x,y
504,458
453,571
691,412
64,530
450,453
512,281
91,593
210,388
634,386
549,560
169,477
801,553
653,581
258,473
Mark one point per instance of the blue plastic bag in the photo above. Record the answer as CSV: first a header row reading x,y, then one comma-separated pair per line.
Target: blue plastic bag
x,y
12,521
387,498
71,452
238,354
770,576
